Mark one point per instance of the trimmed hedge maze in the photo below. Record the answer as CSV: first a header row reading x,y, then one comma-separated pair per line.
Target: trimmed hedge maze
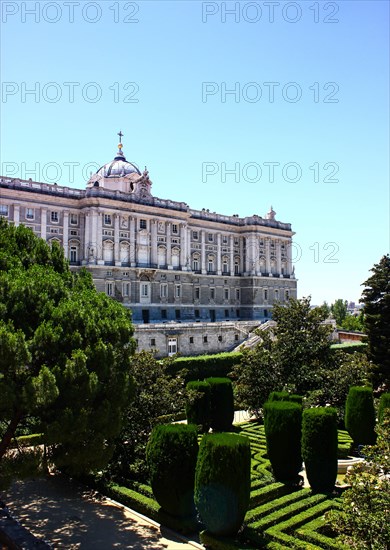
x,y
279,517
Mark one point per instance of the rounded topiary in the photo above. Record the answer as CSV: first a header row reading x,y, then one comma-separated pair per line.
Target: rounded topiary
x,y
319,448
171,456
360,415
384,403
282,425
285,396
198,405
222,482
221,404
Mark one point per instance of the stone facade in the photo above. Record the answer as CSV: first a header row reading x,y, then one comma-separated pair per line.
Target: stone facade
x,y
162,259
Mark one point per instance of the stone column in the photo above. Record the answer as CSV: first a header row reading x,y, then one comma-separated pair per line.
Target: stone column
x,y
219,270
87,223
43,223
65,237
153,243
183,246
117,254
241,249
16,215
289,257
169,246
278,259
99,239
267,257
231,243
203,252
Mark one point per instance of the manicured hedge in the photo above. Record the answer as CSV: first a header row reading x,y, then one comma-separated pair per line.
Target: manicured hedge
x,y
222,482
205,366
28,440
282,425
360,415
285,396
221,404
171,456
384,403
360,347
198,409
319,448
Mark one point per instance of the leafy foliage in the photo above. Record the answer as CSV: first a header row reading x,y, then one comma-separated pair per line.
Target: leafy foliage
x,y
376,300
65,353
222,482
339,311
221,404
198,404
319,448
364,520
360,415
155,394
384,405
282,424
171,454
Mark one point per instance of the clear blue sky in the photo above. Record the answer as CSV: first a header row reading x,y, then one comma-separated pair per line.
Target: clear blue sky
x,y
159,72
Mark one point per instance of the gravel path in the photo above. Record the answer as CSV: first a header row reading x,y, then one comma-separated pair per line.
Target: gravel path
x,y
72,518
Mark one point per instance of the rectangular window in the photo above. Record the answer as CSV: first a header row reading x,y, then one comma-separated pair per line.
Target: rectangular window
x,y
73,254
107,219
54,217
191,339
226,313
224,239
265,294
125,289
286,295
219,337
195,264
197,313
144,290
29,213
177,291
110,289
163,314
226,294
237,293
205,339
236,242
175,228
197,293
109,273
172,346
74,233
210,237
236,269
236,337
212,293
152,342
195,235
266,313
276,294
142,224
4,210
164,290
177,314
73,219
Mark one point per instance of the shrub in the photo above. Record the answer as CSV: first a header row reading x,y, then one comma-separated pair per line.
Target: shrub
x,y
384,403
222,482
221,404
360,415
204,366
319,447
171,456
198,405
285,396
282,425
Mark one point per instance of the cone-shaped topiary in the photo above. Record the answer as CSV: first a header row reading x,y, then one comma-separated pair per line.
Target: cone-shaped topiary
x,y
360,415
282,425
198,405
222,404
285,396
384,403
319,448
222,482
171,456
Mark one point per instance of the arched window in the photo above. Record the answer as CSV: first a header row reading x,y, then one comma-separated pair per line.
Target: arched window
x,y
225,264
210,263
74,247
108,252
162,256
236,265
196,262
175,257
125,253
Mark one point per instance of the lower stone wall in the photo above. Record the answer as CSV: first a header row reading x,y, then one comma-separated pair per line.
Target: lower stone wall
x,y
191,338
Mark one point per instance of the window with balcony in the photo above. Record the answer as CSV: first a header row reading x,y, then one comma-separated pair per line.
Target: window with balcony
x,y
29,213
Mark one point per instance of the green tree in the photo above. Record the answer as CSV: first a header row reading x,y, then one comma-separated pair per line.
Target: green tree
x,y
156,395
376,300
353,322
339,311
364,519
65,353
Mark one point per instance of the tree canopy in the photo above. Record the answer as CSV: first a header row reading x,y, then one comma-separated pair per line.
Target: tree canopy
x,y
65,353
376,300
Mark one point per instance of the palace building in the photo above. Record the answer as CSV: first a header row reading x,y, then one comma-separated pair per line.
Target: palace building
x,y
162,259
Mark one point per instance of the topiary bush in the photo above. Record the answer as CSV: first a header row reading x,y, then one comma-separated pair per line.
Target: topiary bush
x,y
171,455
319,447
384,403
360,415
282,426
222,482
198,405
221,404
285,396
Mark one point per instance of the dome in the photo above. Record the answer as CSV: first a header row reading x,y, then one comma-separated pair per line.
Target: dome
x,y
118,167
